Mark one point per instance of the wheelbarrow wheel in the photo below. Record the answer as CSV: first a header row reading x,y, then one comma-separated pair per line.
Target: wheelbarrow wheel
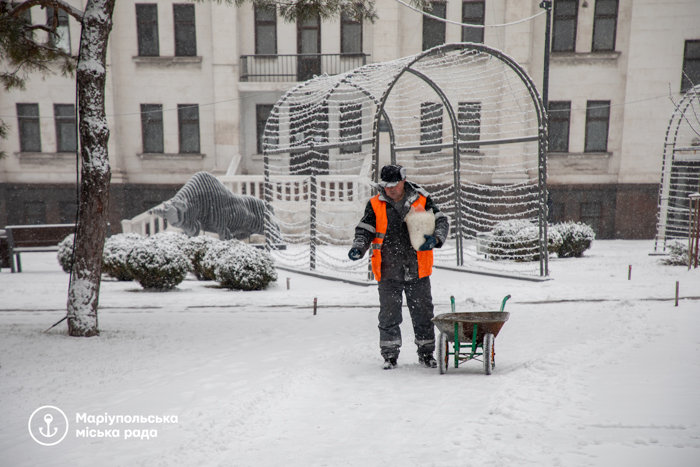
x,y
488,353
442,353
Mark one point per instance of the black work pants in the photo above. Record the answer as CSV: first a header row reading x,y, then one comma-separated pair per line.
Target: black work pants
x,y
420,305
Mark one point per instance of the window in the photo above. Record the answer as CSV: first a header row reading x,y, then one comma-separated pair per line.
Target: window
x,y
430,125
469,122
57,21
29,128
350,127
188,124
265,30
691,65
433,29
64,115
590,214
185,36
350,35
262,112
604,25
559,122
67,211
34,212
26,17
597,120
147,29
152,127
306,131
473,13
564,25
309,46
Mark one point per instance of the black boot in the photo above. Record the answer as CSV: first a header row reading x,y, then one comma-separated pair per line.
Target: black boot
x,y
389,363
428,360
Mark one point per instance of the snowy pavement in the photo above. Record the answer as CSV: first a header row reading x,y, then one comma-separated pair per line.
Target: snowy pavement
x,y
593,369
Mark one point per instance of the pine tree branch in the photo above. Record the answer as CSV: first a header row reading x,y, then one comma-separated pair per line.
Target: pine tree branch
x,y
55,4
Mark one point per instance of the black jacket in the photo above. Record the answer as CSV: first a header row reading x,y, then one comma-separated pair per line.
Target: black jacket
x,y
399,260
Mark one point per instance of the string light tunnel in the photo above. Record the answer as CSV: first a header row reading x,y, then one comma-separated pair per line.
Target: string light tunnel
x,y
464,119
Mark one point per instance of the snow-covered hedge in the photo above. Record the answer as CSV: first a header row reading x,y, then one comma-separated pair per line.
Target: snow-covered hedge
x,y
65,253
576,238
115,252
196,248
158,262
677,254
512,240
236,265
211,257
518,240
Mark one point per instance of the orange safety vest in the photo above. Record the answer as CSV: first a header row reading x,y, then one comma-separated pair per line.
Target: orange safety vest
x,y
425,258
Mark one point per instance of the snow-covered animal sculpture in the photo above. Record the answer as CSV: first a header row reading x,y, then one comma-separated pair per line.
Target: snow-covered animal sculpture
x,y
204,203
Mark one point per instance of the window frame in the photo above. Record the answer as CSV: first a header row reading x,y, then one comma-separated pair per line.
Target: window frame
x,y
591,213
27,122
260,124
591,107
152,26
347,24
465,115
469,19
264,23
152,117
597,19
184,124
430,137
562,114
61,121
185,30
686,82
429,22
557,21
350,127
62,27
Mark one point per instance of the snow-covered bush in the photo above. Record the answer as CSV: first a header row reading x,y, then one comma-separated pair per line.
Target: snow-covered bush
x,y
157,263
514,239
576,238
210,259
115,252
196,248
677,254
240,266
65,253
519,240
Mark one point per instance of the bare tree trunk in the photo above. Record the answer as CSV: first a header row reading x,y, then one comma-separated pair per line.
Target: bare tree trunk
x,y
84,289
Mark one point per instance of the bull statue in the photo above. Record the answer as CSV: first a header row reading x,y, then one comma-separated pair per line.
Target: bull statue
x,y
205,204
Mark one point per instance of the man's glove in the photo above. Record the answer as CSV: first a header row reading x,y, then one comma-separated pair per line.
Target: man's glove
x,y
354,254
429,244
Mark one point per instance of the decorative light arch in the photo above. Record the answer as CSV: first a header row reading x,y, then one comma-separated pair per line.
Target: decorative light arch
x,y
464,119
680,173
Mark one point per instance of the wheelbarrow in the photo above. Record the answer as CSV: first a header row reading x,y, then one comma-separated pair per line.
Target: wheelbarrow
x,y
472,336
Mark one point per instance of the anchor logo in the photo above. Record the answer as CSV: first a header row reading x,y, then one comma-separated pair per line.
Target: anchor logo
x,y
48,418
48,425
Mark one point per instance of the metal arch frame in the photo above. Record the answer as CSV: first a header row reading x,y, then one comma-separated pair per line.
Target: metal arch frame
x,y
541,137
669,158
381,112
266,152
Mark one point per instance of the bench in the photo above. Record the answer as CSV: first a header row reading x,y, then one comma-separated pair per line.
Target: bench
x,y
34,238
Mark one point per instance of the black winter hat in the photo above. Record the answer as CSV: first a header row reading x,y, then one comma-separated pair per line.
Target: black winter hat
x,y
391,175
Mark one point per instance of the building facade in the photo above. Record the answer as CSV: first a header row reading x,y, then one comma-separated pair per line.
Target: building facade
x,y
190,86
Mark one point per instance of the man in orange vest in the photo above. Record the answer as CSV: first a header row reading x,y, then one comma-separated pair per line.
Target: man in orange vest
x,y
397,266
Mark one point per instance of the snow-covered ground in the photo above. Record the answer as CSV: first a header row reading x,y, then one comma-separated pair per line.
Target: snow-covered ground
x,y
592,369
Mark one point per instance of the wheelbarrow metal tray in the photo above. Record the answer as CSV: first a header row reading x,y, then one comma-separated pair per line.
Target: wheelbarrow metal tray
x,y
488,322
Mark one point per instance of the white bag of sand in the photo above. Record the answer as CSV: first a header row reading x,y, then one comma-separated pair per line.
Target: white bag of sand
x,y
420,223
